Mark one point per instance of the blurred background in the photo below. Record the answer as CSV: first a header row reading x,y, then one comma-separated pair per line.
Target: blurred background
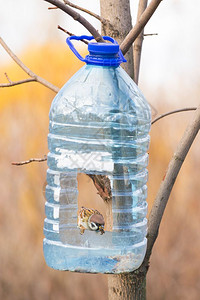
x,y
169,79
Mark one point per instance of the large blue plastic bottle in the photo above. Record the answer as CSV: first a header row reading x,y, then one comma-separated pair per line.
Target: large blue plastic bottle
x,y
99,124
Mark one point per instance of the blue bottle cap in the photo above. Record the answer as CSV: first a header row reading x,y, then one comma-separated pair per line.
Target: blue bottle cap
x,y
102,54
103,48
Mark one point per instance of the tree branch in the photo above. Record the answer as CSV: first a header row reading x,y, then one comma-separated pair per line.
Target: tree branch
x,y
25,162
7,77
137,49
13,83
27,70
102,184
70,34
172,112
168,183
77,17
150,34
102,20
135,31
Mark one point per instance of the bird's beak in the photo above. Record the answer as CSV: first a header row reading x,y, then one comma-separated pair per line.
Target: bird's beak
x,y
101,229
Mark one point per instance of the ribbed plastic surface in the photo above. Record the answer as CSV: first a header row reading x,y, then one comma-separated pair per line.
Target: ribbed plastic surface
x,y
99,124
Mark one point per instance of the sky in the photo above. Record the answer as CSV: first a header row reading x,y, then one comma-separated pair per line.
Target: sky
x,y
171,56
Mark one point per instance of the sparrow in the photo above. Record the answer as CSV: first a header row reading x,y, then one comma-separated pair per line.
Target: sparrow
x,y
90,219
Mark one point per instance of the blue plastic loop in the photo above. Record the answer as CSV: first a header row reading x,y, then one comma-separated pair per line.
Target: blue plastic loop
x,y
99,50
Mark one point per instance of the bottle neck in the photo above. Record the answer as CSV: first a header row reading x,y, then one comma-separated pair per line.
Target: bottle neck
x,y
99,59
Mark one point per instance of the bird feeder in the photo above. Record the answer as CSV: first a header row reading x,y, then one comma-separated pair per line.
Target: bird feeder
x,y
96,179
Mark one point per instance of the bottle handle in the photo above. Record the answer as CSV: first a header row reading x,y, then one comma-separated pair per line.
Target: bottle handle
x,y
77,38
89,38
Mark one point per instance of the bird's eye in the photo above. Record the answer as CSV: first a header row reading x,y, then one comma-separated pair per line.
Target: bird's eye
x,y
93,226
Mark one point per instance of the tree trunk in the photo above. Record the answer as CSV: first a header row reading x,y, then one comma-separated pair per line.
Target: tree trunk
x,y
117,12
127,286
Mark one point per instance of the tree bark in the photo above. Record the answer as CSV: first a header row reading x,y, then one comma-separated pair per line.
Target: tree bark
x,y
118,16
127,286
138,42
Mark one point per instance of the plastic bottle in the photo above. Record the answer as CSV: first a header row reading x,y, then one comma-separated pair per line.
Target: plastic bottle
x,y
99,124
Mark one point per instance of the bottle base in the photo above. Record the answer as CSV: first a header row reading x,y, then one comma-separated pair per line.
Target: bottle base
x,y
89,260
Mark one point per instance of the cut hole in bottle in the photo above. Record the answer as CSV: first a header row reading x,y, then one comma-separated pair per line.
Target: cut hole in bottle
x,y
77,191
88,197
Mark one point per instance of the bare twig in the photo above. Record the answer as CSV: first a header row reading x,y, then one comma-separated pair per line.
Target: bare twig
x,y
168,182
25,162
149,34
172,112
102,20
27,70
13,83
53,7
137,49
77,17
8,78
70,34
135,31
